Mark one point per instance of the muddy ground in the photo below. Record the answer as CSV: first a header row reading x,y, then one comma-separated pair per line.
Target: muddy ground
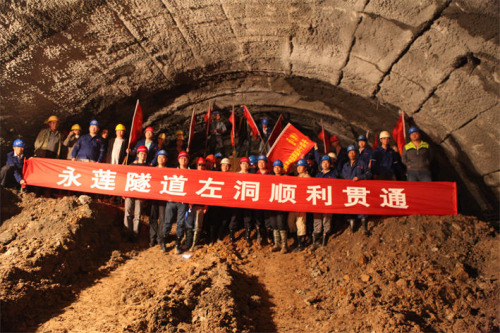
x,y
66,266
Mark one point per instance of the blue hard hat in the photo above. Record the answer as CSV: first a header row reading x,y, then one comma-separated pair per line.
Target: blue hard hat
x,y
351,148
253,159
413,129
262,158
362,138
326,158
162,152
265,121
18,143
302,162
218,155
216,113
94,122
278,163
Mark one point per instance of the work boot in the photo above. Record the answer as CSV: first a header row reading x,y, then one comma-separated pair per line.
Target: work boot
x,y
351,224
259,236
178,245
300,244
188,241
295,240
363,224
284,245
162,242
247,236
232,239
276,246
315,241
325,240
270,235
196,238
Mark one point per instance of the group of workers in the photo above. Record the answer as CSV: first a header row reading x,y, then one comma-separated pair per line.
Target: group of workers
x,y
194,222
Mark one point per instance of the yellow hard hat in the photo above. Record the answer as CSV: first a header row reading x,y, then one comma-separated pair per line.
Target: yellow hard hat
x,y
76,127
120,127
179,132
52,118
384,134
162,136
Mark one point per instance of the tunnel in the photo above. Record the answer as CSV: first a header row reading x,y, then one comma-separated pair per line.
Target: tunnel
x,y
352,65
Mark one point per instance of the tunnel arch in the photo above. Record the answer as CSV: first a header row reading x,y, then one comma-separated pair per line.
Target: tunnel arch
x,y
354,64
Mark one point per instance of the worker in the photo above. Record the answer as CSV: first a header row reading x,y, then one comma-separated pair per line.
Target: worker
x,y
197,211
49,140
385,161
417,157
278,218
117,147
71,140
90,147
297,220
157,213
12,172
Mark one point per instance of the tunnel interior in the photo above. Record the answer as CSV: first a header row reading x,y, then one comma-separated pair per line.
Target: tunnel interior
x,y
353,65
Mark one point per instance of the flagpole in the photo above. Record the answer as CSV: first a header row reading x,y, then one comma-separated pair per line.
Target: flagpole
x,y
404,126
209,122
190,130
130,136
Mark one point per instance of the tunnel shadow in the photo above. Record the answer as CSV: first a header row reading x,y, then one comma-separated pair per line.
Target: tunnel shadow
x,y
253,303
94,253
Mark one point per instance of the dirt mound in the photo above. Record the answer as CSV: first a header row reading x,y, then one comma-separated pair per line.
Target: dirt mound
x,y
46,248
66,266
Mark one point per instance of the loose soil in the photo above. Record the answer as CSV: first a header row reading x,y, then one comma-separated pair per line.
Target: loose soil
x,y
66,266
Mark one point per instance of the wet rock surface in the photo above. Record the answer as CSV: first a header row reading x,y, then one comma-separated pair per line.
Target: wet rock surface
x,y
68,268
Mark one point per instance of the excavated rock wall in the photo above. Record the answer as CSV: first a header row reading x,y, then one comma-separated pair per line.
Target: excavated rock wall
x,y
352,63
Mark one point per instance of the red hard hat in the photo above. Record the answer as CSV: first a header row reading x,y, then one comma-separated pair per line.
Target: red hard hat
x,y
245,159
142,149
201,160
210,158
183,154
334,138
149,128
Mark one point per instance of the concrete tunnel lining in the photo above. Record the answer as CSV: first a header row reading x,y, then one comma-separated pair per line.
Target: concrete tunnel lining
x,y
355,63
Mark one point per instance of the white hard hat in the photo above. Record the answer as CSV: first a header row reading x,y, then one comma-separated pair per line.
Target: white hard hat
x,y
384,134
225,161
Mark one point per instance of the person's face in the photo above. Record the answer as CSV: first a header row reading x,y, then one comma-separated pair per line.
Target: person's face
x,y
244,166
183,161
225,167
210,165
415,136
277,170
161,141
384,141
104,133
362,144
53,125
93,129
18,150
325,165
148,135
76,132
352,155
261,164
311,163
201,166
301,169
335,144
120,134
162,160
141,157
180,142
217,117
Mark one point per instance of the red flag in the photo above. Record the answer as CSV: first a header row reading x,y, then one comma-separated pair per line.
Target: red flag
x,y
191,130
290,145
232,120
136,128
398,133
208,120
375,143
324,138
276,131
251,122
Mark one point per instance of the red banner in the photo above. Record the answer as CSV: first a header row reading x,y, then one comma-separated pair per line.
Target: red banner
x,y
245,190
324,138
251,122
136,128
276,131
232,120
208,120
289,147
398,133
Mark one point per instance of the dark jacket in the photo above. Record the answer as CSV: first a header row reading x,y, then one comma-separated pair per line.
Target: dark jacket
x,y
358,169
89,148
417,159
18,165
123,151
386,162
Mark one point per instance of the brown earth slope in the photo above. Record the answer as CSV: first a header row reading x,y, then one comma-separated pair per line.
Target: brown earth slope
x,y
66,267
